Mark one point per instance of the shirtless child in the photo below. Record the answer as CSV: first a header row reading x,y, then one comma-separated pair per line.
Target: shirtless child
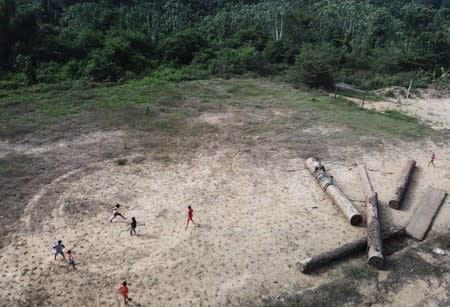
x,y
117,213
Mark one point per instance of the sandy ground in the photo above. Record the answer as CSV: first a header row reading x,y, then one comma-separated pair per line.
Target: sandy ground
x,y
259,212
432,111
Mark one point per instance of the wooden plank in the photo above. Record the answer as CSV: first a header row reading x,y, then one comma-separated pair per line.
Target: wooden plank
x,y
425,212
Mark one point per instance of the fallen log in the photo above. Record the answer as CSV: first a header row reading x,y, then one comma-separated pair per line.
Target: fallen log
x,y
367,187
334,193
312,263
402,186
374,242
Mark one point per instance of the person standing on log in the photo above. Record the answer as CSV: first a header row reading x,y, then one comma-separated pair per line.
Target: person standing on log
x,y
330,182
319,169
433,157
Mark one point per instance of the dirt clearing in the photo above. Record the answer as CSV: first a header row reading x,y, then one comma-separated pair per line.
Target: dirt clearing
x,y
241,169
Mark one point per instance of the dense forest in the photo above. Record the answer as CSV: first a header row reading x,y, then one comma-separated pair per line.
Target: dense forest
x,y
369,43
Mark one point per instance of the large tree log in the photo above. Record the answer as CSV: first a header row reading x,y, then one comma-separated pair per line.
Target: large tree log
x,y
367,187
374,243
402,185
312,263
335,194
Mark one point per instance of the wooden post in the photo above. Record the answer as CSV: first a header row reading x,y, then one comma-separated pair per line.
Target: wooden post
x,y
335,194
364,100
308,264
335,92
409,89
402,185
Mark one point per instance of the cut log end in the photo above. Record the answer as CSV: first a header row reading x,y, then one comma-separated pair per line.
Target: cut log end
x,y
394,204
302,265
376,261
356,219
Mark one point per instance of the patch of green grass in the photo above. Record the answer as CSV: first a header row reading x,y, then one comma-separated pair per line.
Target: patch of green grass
x,y
173,105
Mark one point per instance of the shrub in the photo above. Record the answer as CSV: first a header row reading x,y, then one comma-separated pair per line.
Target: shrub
x,y
181,47
315,66
236,61
99,67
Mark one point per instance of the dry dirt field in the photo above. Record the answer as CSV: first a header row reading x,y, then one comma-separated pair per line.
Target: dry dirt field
x,y
258,208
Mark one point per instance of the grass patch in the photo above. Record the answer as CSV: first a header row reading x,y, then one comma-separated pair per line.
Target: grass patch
x,y
153,104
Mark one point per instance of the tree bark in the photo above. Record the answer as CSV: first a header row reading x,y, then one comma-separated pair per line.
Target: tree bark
x,y
402,185
367,187
312,263
335,194
374,243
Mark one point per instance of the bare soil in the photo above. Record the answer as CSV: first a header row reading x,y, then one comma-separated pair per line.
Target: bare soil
x,y
258,209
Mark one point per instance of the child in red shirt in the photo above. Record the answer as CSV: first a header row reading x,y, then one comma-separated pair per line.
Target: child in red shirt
x,y
190,216
124,292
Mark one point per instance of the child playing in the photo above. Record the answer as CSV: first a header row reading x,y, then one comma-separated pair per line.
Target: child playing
x,y
124,292
70,260
59,249
133,226
433,157
190,216
117,213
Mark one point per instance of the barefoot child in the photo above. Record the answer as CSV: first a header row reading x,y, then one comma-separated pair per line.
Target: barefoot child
x,y
133,226
117,213
124,292
59,249
190,216
433,157
70,260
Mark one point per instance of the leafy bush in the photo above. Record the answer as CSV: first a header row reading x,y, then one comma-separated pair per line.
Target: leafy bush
x,y
281,51
315,66
182,46
236,61
99,67
190,72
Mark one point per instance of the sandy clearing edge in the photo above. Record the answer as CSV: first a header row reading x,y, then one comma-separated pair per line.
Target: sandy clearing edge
x,y
257,220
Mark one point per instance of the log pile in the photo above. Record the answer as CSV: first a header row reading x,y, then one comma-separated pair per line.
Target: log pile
x,y
373,242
